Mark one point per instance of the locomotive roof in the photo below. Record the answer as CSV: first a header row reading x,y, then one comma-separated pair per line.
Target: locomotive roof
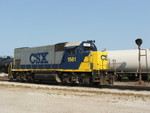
x,y
69,44
73,44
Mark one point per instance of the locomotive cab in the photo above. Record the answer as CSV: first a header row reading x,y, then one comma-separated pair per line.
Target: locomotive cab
x,y
84,57
75,53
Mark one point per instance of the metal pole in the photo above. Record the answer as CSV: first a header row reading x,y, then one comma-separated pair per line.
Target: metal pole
x,y
139,42
140,74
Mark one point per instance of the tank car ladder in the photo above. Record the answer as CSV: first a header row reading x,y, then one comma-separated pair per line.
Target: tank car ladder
x,y
146,60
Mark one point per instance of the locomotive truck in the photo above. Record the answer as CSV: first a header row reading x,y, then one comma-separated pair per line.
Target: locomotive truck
x,y
68,63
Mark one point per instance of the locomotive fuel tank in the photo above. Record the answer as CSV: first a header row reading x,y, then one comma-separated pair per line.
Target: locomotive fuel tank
x,y
126,61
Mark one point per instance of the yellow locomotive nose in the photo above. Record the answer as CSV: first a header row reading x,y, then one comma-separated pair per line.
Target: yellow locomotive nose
x,y
99,60
95,61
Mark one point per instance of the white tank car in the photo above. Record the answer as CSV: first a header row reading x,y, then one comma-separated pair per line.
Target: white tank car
x,y
126,61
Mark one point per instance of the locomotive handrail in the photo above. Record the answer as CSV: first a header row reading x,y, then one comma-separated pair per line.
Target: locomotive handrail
x,y
10,67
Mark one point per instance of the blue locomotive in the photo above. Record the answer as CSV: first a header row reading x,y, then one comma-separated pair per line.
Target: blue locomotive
x,y
73,62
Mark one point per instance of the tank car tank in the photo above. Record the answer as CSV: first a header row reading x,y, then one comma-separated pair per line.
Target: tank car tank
x,y
125,62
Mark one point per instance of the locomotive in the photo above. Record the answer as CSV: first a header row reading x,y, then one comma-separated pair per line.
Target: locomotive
x,y
67,63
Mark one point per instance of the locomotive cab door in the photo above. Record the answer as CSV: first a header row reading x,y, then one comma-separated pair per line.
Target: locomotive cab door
x,y
71,58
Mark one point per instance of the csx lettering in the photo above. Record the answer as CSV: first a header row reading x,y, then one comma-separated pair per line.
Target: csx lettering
x,y
38,58
104,57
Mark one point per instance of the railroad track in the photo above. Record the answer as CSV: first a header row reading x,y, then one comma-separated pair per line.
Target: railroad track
x,y
117,85
124,87
4,79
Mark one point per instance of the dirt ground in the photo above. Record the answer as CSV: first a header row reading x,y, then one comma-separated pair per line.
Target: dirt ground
x,y
31,98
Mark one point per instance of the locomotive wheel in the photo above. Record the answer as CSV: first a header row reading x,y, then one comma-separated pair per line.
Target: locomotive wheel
x,y
10,77
65,79
18,78
85,79
74,79
30,77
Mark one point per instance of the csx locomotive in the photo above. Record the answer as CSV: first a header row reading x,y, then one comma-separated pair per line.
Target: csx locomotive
x,y
73,62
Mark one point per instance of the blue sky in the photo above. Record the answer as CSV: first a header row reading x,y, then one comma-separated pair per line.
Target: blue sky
x,y
114,24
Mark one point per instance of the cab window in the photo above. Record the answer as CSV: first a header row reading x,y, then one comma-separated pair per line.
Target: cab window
x,y
87,49
90,48
71,52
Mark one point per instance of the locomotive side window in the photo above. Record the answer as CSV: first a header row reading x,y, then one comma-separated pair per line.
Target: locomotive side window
x,y
71,52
